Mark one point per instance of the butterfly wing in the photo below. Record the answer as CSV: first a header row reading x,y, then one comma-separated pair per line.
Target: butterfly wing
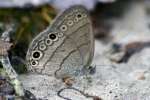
x,y
64,47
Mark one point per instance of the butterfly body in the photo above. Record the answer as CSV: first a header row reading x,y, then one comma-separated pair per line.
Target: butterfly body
x,y
65,47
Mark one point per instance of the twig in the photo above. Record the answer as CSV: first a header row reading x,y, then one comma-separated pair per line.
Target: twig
x,y
8,67
84,94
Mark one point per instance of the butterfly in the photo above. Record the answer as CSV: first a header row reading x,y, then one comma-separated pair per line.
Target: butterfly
x,y
66,47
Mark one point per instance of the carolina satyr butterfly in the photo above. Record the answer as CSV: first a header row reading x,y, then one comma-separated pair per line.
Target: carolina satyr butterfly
x,y
65,47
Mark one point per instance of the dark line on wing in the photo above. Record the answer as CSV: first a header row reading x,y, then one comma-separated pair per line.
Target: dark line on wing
x,y
63,62
78,47
53,53
67,36
70,54
83,44
67,57
79,37
78,29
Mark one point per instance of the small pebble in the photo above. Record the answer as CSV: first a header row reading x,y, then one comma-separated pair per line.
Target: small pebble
x,y
141,76
68,81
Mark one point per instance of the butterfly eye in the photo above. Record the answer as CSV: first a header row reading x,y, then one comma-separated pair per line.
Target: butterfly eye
x,y
34,63
42,46
48,42
53,37
70,23
63,28
36,55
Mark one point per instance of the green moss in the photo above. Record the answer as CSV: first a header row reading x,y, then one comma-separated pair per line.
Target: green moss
x,y
28,22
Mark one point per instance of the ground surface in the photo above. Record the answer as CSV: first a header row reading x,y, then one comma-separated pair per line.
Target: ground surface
x,y
111,81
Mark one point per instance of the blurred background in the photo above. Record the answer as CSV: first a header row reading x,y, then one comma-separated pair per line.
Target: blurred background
x,y
116,23
121,30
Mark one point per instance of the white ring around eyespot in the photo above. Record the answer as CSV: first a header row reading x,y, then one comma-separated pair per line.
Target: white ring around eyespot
x,y
42,46
63,28
48,43
60,34
84,15
76,19
69,22
35,62
41,54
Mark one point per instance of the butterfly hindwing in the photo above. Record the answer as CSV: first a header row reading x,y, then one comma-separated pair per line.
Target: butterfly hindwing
x,y
65,46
